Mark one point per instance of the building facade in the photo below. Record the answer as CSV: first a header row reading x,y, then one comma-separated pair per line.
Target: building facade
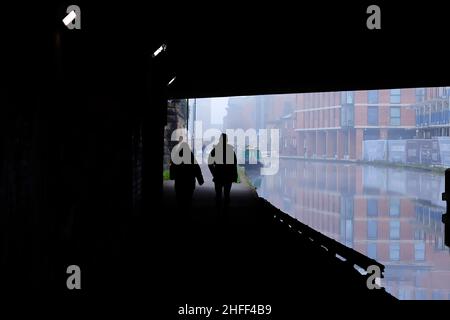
x,y
432,112
333,125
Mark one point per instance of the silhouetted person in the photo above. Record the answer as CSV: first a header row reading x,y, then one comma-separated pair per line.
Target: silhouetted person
x,y
184,169
222,163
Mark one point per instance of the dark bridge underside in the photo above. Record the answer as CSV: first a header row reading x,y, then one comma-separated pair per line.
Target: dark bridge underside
x,y
241,49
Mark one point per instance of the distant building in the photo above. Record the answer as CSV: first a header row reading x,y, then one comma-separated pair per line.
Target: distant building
x,y
203,113
333,125
241,113
432,112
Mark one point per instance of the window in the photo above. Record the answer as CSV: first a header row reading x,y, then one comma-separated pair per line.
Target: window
x,y
372,229
395,96
394,230
372,115
420,94
347,207
394,207
372,250
372,96
421,294
395,116
347,115
372,207
350,97
436,295
349,233
394,251
288,107
419,251
404,293
347,97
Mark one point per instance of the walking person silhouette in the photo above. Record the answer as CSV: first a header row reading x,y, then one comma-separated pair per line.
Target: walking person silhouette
x,y
222,163
184,169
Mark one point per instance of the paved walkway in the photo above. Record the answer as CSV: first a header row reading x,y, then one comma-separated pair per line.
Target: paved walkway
x,y
204,210
240,255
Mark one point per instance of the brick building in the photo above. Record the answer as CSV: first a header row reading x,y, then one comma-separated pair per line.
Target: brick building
x,y
332,125
432,112
241,113
329,125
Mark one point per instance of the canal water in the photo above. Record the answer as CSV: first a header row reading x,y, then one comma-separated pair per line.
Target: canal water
x,y
390,214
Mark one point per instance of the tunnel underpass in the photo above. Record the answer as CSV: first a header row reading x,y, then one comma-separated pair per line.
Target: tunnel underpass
x,y
83,159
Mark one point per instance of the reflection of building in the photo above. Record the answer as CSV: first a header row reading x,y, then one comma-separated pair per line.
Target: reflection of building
x,y
389,214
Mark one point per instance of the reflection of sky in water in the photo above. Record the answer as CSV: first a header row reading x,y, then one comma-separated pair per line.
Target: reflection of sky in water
x,y
392,215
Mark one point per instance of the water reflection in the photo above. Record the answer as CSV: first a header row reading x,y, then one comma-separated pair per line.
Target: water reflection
x,y
392,215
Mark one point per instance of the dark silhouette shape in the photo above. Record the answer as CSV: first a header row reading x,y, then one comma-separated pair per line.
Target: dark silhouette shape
x,y
184,169
445,217
222,163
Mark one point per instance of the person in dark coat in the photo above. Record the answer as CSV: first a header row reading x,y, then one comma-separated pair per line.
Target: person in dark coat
x,y
222,163
184,169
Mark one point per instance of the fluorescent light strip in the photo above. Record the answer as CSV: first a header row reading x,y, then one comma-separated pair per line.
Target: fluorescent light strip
x,y
158,51
173,79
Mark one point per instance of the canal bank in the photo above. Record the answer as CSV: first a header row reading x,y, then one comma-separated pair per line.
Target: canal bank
x,y
433,168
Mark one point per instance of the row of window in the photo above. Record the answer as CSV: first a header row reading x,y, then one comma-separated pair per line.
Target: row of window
x,y
320,99
286,123
394,116
313,118
394,251
347,117
394,230
394,207
290,142
440,117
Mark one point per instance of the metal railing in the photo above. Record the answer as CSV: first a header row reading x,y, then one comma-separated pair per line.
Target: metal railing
x,y
347,255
